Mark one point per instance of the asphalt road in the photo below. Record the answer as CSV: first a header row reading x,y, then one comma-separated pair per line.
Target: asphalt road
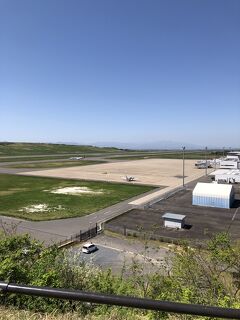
x,y
12,163
5,166
6,170
56,155
115,254
105,258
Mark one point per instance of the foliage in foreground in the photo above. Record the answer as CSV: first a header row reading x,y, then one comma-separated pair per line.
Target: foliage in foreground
x,y
11,313
209,277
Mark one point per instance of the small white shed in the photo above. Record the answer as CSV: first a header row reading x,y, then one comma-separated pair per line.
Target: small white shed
x,y
173,220
213,195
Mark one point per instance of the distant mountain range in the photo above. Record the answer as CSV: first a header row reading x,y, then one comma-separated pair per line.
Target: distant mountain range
x,y
158,145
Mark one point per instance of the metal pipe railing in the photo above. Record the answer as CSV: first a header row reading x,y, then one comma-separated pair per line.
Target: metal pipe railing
x,y
124,301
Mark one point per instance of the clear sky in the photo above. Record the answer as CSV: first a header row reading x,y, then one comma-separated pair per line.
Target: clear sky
x,y
127,70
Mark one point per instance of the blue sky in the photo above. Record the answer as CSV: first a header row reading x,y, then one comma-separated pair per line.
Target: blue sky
x,y
127,70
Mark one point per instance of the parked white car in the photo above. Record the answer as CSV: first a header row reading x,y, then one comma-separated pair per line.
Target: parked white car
x,y
89,247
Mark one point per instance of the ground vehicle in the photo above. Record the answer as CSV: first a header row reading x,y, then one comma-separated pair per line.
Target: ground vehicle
x,y
89,247
201,164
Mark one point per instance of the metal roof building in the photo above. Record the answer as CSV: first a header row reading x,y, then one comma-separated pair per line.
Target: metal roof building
x,y
213,195
228,176
230,163
173,220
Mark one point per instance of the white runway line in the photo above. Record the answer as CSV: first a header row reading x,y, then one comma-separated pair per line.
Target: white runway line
x,y
234,215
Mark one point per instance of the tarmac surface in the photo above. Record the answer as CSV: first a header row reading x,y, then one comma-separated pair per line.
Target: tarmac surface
x,y
12,163
117,254
201,222
156,172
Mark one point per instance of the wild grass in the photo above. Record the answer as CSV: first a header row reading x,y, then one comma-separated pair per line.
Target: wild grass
x,y
57,164
15,314
12,148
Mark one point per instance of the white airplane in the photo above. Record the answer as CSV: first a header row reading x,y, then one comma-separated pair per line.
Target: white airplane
x,y
130,178
75,158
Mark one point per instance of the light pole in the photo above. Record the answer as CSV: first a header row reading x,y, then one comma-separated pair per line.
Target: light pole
x,y
206,164
215,160
183,176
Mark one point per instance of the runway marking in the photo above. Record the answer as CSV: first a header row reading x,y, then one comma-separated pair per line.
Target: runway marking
x,y
234,215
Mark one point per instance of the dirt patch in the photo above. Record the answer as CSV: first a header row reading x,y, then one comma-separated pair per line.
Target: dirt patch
x,y
76,191
6,192
42,207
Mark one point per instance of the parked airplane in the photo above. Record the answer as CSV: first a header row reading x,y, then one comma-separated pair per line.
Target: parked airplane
x,y
130,178
76,158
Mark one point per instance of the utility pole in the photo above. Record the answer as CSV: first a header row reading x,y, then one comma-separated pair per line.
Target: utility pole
x,y
206,164
183,148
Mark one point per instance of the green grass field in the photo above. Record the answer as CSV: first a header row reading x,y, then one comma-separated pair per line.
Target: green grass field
x,y
197,155
18,149
20,195
33,158
57,164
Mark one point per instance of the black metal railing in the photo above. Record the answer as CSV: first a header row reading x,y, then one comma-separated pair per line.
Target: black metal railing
x,y
124,301
81,236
